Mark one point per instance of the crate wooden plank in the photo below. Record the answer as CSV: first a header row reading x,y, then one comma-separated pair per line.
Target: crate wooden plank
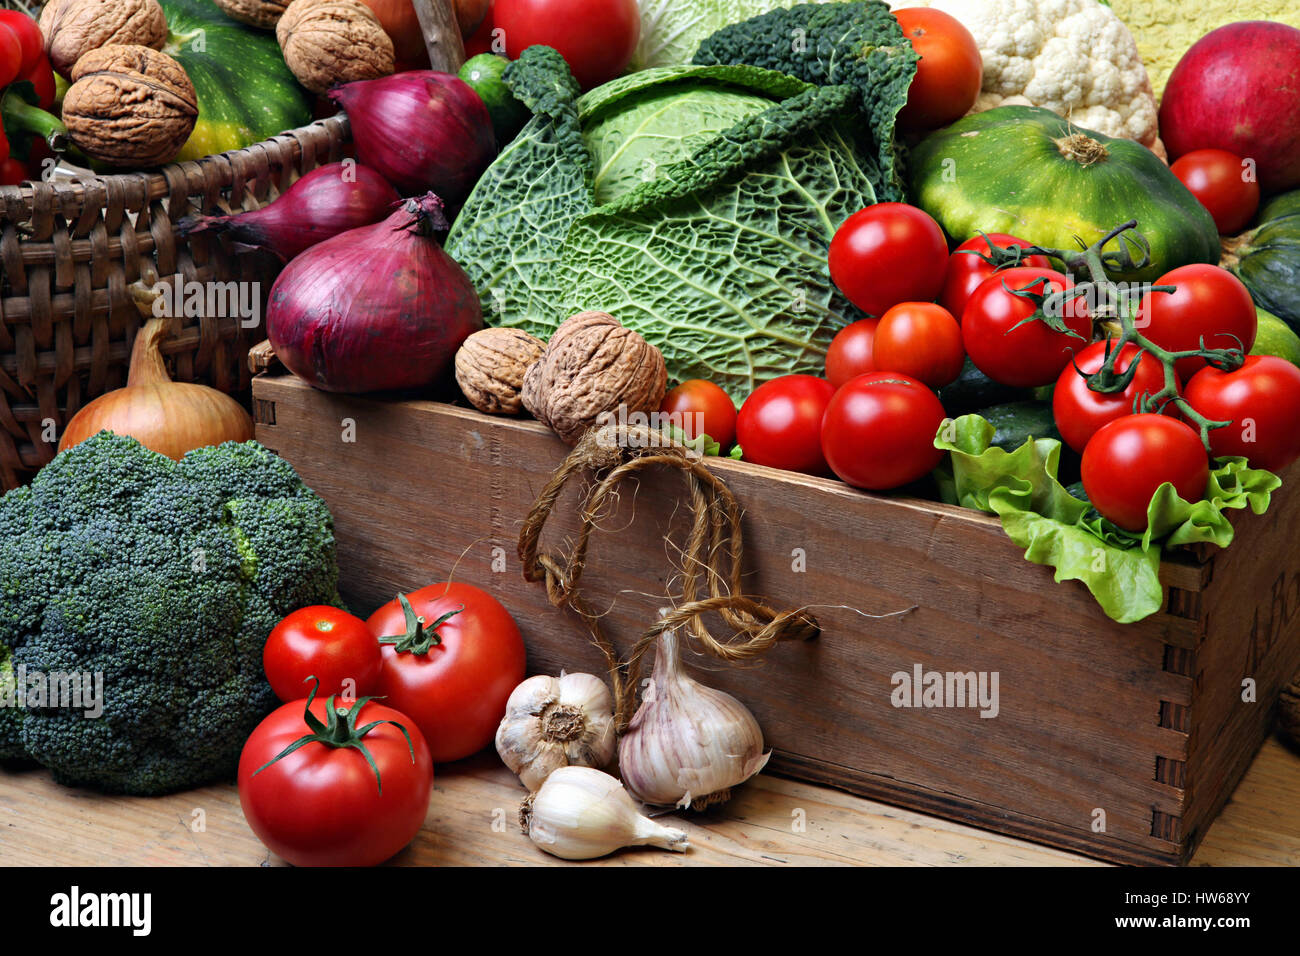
x,y
1093,714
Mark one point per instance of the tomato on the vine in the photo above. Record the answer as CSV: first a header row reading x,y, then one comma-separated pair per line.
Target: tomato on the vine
x,y
1130,458
922,340
965,271
1262,400
1209,304
326,643
780,423
1028,355
451,656
1223,183
1080,412
879,431
325,803
949,73
596,37
850,353
701,408
888,253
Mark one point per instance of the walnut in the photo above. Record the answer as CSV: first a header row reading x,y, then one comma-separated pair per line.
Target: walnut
x,y
327,42
129,105
593,365
263,14
73,28
490,367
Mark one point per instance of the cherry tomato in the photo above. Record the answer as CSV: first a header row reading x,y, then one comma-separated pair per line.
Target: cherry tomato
x,y
965,272
879,431
1128,459
950,71
701,403
595,37
850,352
1262,400
888,253
452,666
1034,353
1210,303
922,340
1223,184
1080,412
322,804
326,643
780,424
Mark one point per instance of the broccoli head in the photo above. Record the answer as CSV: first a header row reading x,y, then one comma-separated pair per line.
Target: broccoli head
x,y
161,579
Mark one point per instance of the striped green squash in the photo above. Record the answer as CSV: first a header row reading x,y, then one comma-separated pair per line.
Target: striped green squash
x,y
1267,258
245,91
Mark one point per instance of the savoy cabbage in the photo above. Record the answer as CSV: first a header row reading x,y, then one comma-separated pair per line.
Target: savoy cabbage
x,y
696,203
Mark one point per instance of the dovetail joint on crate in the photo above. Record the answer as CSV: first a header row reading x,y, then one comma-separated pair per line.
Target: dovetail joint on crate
x,y
1185,604
263,411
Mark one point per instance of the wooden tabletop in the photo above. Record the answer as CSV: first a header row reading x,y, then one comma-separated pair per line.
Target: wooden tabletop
x,y
471,821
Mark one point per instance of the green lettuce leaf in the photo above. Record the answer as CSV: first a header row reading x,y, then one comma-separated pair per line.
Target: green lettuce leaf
x,y
1059,530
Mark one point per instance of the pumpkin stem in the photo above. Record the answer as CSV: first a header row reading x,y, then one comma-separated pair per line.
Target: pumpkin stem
x,y
147,365
1081,148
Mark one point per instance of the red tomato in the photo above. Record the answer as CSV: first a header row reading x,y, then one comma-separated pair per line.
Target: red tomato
x,y
595,37
481,40
888,253
453,675
965,272
949,74
1127,460
322,642
879,431
1210,303
1262,400
1034,353
1080,412
28,35
701,403
850,352
780,423
922,340
322,805
1218,179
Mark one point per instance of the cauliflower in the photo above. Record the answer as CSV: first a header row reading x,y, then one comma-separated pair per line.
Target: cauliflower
x,y
1074,57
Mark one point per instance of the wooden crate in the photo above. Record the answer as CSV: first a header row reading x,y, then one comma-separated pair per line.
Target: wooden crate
x,y
1121,741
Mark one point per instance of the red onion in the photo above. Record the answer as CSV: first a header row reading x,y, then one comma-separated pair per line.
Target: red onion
x,y
423,130
378,308
327,201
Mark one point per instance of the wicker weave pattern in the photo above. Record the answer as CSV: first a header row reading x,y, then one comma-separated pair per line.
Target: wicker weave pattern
x,y
70,251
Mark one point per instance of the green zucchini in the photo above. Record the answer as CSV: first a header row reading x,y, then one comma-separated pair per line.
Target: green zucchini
x,y
245,91
1017,422
974,390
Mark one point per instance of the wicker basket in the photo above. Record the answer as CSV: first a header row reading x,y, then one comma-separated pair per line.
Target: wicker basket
x,y
70,252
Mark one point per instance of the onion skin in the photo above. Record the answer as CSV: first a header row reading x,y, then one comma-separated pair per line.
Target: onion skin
x,y
380,308
168,417
327,201
422,130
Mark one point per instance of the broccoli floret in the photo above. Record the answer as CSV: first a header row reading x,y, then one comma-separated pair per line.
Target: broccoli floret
x,y
165,578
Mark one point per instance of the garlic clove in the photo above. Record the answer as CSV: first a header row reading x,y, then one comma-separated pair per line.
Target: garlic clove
x,y
580,813
556,722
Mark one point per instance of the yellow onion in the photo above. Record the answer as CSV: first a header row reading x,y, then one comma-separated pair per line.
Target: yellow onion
x,y
169,417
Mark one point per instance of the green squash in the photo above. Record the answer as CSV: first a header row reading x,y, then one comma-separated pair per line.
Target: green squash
x,y
1267,258
1024,170
245,91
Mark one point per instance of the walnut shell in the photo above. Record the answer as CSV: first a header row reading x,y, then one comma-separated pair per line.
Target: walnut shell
x,y
593,365
490,367
130,106
72,28
328,42
263,14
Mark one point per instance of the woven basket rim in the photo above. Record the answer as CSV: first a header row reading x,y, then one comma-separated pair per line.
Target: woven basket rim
x,y
26,192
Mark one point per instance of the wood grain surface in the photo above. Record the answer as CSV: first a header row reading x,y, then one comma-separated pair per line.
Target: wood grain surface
x,y
44,824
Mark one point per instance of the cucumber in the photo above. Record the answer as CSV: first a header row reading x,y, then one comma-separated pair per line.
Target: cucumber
x,y
974,390
1017,422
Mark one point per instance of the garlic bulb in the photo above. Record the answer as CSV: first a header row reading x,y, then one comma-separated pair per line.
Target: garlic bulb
x,y
580,814
687,744
556,722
